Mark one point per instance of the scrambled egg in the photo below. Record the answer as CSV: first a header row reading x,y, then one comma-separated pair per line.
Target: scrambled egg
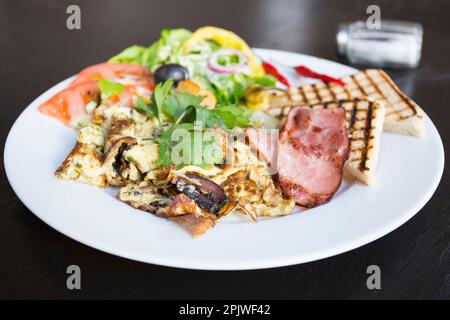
x,y
84,164
112,150
92,134
91,160
144,157
252,187
247,183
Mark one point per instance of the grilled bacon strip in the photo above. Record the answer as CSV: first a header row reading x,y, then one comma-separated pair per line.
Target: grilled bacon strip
x,y
312,149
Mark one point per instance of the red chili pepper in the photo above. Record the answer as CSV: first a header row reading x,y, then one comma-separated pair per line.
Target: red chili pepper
x,y
307,72
273,71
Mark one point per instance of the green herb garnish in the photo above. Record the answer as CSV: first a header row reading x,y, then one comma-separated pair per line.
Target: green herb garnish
x,y
186,120
142,107
109,88
188,143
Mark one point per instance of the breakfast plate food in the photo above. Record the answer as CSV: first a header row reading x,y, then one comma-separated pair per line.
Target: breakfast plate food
x,y
199,152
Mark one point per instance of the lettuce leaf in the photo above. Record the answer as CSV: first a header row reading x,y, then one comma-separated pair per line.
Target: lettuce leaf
x,y
230,89
163,50
131,54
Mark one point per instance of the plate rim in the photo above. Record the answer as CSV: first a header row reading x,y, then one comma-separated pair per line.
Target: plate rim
x,y
247,265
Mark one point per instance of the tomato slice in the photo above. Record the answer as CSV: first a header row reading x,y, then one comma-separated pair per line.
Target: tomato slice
x,y
70,103
131,73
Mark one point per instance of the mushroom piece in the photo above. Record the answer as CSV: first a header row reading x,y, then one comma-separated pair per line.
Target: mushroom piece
x,y
178,208
115,166
144,196
184,211
208,195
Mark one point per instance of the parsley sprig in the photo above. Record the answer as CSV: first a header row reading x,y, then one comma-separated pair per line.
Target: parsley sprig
x,y
183,111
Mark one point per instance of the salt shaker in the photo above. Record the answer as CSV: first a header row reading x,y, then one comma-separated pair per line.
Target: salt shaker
x,y
397,44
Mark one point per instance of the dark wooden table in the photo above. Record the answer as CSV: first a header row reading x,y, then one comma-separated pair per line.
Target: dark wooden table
x,y
37,51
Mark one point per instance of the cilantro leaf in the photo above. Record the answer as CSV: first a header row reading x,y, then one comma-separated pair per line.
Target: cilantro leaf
x,y
162,90
110,88
208,118
226,117
167,143
142,107
188,143
179,143
171,103
177,103
233,115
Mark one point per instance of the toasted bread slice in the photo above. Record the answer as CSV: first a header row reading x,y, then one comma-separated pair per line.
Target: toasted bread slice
x,y
402,114
364,124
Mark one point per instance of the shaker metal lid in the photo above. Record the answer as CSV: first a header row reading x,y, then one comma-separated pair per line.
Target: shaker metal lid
x,y
342,39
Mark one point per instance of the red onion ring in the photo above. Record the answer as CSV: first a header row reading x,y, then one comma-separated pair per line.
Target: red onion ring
x,y
216,67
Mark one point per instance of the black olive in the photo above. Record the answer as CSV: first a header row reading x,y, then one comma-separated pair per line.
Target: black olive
x,y
172,71
208,195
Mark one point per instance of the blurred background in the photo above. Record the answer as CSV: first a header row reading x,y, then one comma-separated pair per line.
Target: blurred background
x,y
38,51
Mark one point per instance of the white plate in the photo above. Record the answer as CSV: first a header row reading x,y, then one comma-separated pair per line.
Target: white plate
x,y
408,173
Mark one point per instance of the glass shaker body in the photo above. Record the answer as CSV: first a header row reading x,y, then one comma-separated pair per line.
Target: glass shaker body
x,y
396,44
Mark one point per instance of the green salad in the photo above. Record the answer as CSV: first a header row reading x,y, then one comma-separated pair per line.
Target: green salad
x,y
214,58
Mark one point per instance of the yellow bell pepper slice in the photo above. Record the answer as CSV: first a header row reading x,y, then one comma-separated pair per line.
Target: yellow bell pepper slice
x,y
226,39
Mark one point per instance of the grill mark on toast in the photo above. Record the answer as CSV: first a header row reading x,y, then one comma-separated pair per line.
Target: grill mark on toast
x,y
396,111
361,148
401,117
410,105
363,91
327,104
362,138
352,117
316,92
375,85
302,92
378,95
367,128
333,95
347,92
